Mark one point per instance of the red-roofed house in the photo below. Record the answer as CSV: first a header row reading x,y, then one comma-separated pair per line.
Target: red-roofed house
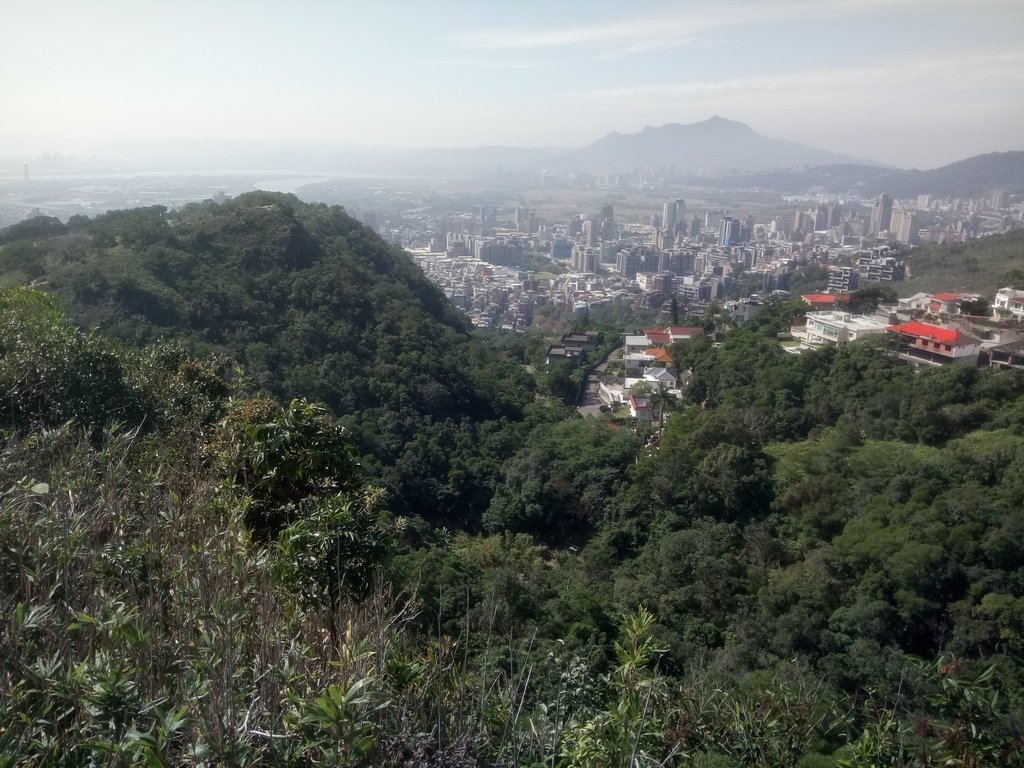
x,y
926,344
684,332
639,408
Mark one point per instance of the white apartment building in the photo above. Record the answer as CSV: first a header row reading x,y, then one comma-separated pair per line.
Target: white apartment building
x,y
838,328
1010,301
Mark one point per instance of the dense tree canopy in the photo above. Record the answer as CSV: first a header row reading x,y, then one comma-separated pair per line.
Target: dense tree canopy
x,y
818,563
310,304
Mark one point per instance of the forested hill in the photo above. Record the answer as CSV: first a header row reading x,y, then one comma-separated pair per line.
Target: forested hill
x,y
311,304
817,564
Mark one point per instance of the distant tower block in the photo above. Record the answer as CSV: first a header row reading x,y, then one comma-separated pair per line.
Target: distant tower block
x,y
26,171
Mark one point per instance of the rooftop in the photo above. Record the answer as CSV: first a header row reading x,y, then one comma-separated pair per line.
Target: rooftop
x,y
820,298
685,330
934,333
659,354
846,320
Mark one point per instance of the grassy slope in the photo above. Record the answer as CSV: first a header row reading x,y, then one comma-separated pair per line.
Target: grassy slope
x,y
980,266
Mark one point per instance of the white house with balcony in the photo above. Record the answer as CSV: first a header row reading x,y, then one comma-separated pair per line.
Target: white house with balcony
x,y
1009,302
836,328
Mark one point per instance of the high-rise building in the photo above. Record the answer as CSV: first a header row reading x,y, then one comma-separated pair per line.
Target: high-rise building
x,y
729,231
695,226
526,220
821,218
903,226
668,216
584,259
561,249
680,205
590,233
627,263
835,215
664,239
607,212
881,216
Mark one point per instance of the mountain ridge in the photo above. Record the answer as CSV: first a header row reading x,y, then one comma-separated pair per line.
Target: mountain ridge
x,y
971,177
709,146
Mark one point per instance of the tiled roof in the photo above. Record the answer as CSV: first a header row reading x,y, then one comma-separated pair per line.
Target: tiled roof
x,y
819,298
658,354
685,330
933,332
659,374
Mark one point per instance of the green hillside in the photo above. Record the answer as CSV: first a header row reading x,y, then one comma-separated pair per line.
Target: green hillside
x,y
810,561
819,566
979,266
310,304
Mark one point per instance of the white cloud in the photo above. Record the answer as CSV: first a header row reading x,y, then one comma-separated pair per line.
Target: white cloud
x,y
468,62
888,78
684,25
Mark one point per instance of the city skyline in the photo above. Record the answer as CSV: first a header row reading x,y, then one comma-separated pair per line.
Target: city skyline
x,y
902,82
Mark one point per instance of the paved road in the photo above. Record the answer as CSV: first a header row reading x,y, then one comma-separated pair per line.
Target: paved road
x,y
590,401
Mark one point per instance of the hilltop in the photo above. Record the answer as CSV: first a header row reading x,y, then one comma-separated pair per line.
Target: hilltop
x,y
711,146
310,303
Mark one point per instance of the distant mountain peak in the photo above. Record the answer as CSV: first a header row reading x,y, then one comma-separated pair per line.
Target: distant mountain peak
x,y
719,123
715,145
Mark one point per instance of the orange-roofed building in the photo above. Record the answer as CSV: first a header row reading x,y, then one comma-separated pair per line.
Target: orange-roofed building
x,y
821,300
684,332
927,344
658,354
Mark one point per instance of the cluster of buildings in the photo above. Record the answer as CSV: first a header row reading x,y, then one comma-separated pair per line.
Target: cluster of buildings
x,y
499,265
926,329
484,291
647,372
501,277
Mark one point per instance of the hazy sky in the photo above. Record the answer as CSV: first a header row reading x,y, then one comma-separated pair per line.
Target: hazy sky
x,y
908,82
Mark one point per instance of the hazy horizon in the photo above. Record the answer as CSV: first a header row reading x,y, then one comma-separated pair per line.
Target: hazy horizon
x,y
902,82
